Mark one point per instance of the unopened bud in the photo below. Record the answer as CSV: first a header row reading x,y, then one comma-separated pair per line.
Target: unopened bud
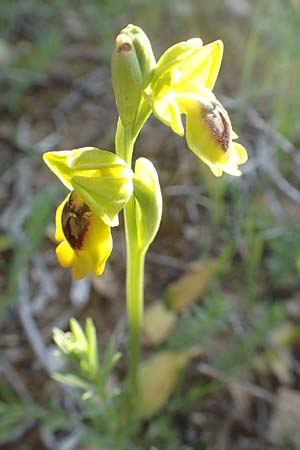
x,y
132,64
143,50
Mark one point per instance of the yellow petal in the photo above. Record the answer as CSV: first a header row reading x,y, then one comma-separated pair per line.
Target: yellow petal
x,y
239,153
59,234
231,169
216,170
65,254
95,250
174,56
202,67
167,110
102,246
236,155
81,266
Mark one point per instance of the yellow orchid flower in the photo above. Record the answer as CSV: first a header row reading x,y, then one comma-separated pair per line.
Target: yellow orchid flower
x,y
182,84
101,184
85,240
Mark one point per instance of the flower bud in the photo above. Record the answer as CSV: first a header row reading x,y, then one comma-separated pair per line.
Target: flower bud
x,y
132,64
143,50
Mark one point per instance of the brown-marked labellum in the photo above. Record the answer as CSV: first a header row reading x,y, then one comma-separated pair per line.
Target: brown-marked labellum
x,y
218,125
75,220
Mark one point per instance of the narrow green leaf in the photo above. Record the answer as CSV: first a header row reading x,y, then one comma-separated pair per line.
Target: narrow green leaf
x,y
92,350
78,334
72,380
61,340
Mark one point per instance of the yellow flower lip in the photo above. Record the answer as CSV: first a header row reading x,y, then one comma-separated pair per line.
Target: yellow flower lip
x,y
85,240
209,133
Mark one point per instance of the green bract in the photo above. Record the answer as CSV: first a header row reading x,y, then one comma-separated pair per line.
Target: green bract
x,y
148,202
102,179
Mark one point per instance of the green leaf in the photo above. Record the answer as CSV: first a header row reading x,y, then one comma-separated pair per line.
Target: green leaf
x,y
61,340
110,358
72,380
92,350
79,334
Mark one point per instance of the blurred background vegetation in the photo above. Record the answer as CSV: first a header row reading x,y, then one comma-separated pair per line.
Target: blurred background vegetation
x,y
226,262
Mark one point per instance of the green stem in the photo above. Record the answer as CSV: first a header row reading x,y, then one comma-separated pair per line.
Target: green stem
x,y
134,267
134,294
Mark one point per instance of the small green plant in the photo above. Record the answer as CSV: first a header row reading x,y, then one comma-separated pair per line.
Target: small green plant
x,y
102,184
105,404
81,348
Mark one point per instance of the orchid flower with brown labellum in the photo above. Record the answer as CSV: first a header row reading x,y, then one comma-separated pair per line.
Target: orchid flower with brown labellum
x,y
182,84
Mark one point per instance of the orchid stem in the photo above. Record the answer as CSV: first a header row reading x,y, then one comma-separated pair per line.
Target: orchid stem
x,y
134,297
134,269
